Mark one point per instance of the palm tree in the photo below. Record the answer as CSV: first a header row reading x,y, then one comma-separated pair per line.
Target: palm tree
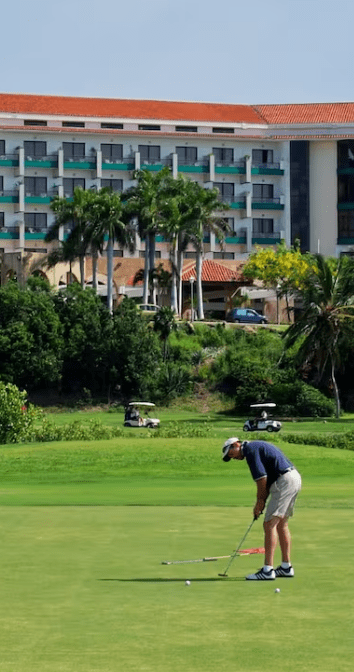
x,y
328,305
204,206
76,212
108,221
144,202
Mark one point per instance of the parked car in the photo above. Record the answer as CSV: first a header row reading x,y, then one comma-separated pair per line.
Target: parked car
x,y
247,315
262,422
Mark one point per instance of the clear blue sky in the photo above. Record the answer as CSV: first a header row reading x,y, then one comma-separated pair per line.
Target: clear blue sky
x,y
232,51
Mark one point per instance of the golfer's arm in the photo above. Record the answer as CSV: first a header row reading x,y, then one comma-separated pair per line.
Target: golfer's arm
x,y
262,490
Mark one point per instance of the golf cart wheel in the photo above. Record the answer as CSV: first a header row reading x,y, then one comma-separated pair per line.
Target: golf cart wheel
x,y
246,428
269,429
237,321
263,322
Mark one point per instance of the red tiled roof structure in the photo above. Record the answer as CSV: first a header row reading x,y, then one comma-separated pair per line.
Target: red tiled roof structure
x,y
307,113
212,271
66,106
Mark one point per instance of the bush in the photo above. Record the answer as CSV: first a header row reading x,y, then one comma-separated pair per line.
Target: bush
x,y
16,417
299,399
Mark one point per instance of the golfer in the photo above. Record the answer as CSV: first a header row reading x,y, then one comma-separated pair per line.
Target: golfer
x,y
276,476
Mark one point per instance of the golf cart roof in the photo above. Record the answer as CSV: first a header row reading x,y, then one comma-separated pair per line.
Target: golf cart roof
x,y
270,404
141,403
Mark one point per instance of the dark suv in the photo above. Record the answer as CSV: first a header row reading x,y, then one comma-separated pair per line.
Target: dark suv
x,y
246,315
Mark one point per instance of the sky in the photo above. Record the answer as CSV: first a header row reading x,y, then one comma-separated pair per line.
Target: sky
x,y
228,51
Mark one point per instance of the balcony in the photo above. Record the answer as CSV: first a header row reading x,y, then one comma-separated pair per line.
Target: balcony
x,y
9,196
267,169
154,164
267,204
80,162
42,161
189,166
127,163
9,233
44,197
35,232
230,167
231,201
268,238
9,160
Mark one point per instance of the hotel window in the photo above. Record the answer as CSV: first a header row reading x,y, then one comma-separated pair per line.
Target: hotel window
x,y
149,127
70,183
229,223
112,152
187,155
227,190
263,192
223,154
187,129
118,253
262,156
2,147
35,148
2,220
223,130
262,225
115,185
149,152
113,126
34,122
1,183
35,186
157,254
37,221
223,255
73,124
74,150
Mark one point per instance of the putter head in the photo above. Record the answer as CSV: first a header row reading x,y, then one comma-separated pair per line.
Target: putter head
x,y
222,574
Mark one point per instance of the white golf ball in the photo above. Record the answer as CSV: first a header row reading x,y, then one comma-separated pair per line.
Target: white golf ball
x,y
277,590
188,583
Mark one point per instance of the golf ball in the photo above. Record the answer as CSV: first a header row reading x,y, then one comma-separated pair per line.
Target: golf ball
x,y
188,583
277,590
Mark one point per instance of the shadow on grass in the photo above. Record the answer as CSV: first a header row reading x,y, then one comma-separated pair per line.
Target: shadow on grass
x,y
177,580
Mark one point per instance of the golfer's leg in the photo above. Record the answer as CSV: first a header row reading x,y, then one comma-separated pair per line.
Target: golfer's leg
x,y
284,539
270,540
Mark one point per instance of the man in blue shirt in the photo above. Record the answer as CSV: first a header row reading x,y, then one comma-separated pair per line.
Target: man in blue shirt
x,y
276,476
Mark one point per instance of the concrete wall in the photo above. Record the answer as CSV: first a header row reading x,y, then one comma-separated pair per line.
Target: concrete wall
x,y
323,197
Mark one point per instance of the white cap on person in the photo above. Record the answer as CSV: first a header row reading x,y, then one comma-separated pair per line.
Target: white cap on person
x,y
226,447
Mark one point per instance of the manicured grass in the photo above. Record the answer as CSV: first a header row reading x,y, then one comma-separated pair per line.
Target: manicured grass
x,y
83,590
86,525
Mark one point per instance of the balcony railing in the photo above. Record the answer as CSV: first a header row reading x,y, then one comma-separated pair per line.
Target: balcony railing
x,y
271,166
269,234
36,229
8,158
81,159
230,164
10,196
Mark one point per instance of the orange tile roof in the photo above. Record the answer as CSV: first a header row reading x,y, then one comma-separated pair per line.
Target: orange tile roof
x,y
66,106
307,113
212,271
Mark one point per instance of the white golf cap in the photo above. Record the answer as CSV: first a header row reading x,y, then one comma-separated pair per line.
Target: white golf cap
x,y
226,447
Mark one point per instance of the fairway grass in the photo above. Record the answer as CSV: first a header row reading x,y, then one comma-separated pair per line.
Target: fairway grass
x,y
83,590
86,525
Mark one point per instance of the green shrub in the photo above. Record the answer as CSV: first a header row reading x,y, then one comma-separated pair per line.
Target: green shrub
x,y
16,417
299,399
342,441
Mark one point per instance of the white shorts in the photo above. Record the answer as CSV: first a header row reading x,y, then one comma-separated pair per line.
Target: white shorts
x,y
283,495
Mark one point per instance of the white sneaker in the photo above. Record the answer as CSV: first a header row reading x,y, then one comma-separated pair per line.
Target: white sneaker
x,y
262,576
280,572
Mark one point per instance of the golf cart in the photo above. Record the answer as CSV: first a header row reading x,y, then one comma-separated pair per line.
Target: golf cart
x,y
262,422
133,418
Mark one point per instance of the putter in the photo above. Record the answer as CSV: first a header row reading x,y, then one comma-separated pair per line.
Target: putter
x,y
245,551
236,552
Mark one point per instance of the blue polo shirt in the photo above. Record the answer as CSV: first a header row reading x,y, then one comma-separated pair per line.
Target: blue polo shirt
x,y
264,459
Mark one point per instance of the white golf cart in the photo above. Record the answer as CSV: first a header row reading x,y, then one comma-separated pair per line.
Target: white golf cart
x,y
262,422
133,418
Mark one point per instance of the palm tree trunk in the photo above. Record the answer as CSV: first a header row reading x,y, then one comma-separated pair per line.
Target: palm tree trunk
x,y
335,387
174,303
199,289
146,271
110,275
152,246
180,284
94,269
82,271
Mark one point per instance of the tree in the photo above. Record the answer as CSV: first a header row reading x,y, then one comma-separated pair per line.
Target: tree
x,y
144,202
108,220
328,307
76,212
204,206
283,269
164,322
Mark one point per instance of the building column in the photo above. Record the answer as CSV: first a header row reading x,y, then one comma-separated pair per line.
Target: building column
x,y
323,197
